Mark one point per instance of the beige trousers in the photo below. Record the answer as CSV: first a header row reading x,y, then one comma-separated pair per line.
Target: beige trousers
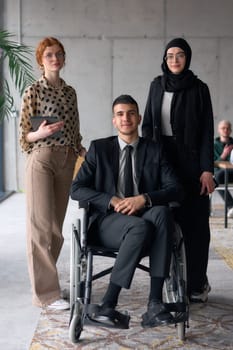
x,y
49,173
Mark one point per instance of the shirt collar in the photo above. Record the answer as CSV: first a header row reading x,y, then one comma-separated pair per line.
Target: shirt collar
x,y
123,144
46,84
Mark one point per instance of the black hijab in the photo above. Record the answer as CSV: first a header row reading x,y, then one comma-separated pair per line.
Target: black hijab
x,y
185,104
175,82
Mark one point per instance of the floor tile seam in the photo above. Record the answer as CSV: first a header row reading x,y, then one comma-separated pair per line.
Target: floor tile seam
x,y
221,240
226,254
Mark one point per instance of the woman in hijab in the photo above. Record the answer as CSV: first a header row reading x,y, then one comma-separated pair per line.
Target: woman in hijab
x,y
179,114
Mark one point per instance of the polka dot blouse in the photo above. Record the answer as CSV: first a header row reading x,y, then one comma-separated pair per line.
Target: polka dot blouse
x,y
42,99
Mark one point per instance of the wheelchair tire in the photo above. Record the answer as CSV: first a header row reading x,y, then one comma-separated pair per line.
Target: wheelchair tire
x,y
181,330
75,328
74,262
77,283
175,286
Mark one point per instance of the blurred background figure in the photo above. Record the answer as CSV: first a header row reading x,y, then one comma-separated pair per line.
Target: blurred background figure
x,y
223,146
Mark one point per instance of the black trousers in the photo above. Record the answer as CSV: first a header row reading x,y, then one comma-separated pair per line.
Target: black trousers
x,y
137,236
193,217
193,214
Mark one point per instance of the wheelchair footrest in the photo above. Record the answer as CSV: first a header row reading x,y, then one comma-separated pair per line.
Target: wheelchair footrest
x,y
176,307
180,309
181,317
109,318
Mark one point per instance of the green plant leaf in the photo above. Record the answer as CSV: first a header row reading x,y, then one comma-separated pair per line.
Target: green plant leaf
x,y
6,102
20,69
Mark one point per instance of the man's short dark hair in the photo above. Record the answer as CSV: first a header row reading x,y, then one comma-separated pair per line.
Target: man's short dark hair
x,y
125,99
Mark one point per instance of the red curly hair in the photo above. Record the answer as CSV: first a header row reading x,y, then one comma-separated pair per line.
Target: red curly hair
x,y
49,41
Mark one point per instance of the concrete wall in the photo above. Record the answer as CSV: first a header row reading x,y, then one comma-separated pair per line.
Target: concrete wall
x,y
114,47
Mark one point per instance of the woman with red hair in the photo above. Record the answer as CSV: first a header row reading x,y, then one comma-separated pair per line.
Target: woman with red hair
x,y
52,150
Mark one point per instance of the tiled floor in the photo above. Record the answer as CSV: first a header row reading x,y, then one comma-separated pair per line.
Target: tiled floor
x,y
18,318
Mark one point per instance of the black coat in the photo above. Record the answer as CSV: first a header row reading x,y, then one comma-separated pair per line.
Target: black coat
x,y
197,156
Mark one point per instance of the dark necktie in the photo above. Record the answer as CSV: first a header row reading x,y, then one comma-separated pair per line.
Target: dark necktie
x,y
128,172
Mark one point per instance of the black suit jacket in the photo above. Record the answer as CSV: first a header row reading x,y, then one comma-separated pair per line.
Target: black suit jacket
x,y
96,181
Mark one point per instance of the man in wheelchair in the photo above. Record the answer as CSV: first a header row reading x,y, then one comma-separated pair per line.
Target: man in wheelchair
x,y
128,193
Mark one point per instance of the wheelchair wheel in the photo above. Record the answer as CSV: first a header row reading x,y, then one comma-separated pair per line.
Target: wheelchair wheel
x,y
75,328
181,330
75,253
175,286
77,282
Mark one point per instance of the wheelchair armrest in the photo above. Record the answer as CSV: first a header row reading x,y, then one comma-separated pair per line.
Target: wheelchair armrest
x,y
82,222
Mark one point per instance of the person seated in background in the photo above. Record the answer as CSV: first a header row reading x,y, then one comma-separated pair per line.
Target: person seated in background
x,y
130,216
223,145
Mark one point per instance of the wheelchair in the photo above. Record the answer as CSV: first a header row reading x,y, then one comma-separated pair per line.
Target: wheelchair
x,y
81,278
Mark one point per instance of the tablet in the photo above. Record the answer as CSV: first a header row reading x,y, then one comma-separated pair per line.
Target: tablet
x,y
37,120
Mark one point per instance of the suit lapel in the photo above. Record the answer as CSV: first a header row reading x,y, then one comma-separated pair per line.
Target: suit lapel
x,y
141,150
114,159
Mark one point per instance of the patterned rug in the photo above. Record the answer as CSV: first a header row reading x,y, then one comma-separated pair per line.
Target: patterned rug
x,y
210,324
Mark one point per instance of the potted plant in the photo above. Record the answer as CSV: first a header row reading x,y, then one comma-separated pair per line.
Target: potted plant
x,y
20,69
17,58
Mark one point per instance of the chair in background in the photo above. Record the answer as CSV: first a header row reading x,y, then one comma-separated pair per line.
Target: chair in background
x,y
224,187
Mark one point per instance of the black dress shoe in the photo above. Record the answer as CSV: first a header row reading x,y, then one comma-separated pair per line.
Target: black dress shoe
x,y
156,315
109,317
